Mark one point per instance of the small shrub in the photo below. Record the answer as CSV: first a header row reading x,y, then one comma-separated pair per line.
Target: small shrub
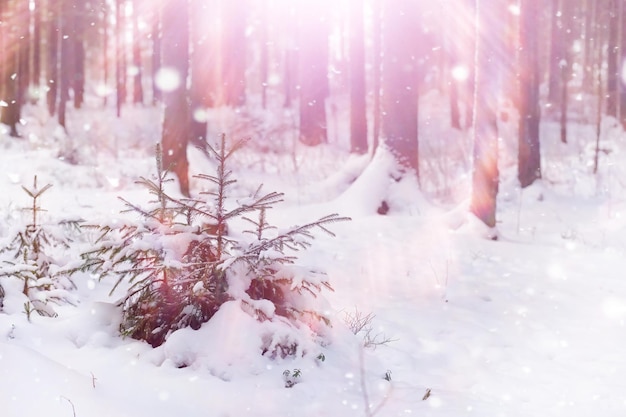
x,y
32,255
360,323
181,262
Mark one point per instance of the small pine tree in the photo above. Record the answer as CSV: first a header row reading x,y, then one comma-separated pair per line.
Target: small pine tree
x,y
32,257
180,260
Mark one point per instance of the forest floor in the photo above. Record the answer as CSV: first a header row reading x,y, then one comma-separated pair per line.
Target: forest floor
x,y
532,324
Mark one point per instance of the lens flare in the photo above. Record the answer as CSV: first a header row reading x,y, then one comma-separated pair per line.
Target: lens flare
x,y
460,73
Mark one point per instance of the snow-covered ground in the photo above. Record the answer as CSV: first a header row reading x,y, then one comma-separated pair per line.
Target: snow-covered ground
x,y
532,324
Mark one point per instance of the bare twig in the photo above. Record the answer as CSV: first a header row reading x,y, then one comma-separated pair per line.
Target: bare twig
x,y
369,411
72,404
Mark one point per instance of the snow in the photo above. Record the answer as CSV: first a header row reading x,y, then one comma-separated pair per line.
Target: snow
x,y
532,324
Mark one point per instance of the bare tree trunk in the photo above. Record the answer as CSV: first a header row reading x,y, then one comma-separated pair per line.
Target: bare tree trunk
x,y
201,85
10,113
400,82
137,63
557,47
67,66
358,111
36,42
313,72
78,82
156,51
529,155
589,37
599,85
376,71
24,36
567,16
485,175
52,79
234,52
120,57
176,117
291,55
613,69
621,85
264,46
105,51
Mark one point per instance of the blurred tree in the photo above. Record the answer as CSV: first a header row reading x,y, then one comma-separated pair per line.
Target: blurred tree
x,y
52,42
79,15
67,60
621,84
155,35
485,175
290,64
234,20
557,57
358,118
376,71
104,32
24,50
613,58
264,46
37,14
529,157
201,82
137,47
9,33
176,112
120,56
400,81
313,71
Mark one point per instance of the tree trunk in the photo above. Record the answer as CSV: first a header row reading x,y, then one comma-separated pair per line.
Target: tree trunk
x,y
264,46
589,37
52,79
400,82
313,72
485,175
156,51
120,57
68,64
376,71
622,65
105,51
10,113
137,63
358,118
613,69
24,36
201,85
79,17
290,63
557,54
175,55
529,156
37,23
234,52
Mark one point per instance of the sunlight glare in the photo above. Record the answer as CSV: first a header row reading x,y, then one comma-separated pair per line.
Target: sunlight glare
x,y
614,308
103,90
167,79
514,9
556,271
460,72
200,115
624,72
